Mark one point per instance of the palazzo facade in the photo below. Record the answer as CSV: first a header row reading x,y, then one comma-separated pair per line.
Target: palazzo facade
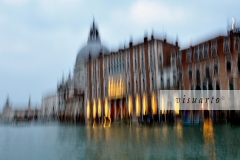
x,y
126,84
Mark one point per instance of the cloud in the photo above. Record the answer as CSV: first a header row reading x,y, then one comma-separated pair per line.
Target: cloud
x,y
146,12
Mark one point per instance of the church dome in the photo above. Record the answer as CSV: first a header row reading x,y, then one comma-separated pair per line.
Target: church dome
x,y
93,47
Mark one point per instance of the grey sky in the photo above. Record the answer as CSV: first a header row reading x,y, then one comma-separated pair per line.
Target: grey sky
x,y
39,40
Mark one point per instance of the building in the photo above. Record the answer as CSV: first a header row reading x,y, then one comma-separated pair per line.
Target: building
x,y
16,114
213,64
127,84
118,85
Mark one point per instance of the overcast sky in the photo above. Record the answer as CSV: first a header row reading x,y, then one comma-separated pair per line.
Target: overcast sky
x,y
39,40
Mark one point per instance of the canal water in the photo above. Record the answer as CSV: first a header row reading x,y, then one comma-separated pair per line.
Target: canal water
x,y
120,141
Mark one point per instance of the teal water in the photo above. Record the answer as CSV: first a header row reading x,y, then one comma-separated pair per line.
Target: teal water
x,y
69,141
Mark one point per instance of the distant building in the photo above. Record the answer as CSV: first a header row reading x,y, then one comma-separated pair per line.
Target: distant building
x,y
24,114
50,106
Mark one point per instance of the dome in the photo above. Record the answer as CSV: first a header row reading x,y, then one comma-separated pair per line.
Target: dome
x,y
93,47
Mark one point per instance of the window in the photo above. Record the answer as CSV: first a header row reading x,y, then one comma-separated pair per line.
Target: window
x,y
204,86
151,56
168,83
173,59
162,80
238,64
214,48
129,87
174,79
228,63
115,65
99,92
196,53
189,56
198,75
226,45
180,75
123,64
179,58
106,88
135,59
97,67
200,50
190,71
128,65
231,87
215,66
160,61
136,86
142,59
207,69
206,50
108,67
152,83
143,84
93,68
236,43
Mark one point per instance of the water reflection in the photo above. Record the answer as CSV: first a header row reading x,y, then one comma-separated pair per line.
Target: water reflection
x,y
208,136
